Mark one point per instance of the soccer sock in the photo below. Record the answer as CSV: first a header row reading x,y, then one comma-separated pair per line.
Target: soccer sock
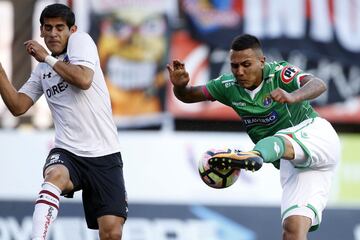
x,y
270,148
46,210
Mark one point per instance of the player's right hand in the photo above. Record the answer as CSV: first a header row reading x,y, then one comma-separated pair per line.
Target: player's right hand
x,y
281,96
179,77
36,50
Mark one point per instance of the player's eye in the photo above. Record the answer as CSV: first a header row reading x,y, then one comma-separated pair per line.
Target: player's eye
x,y
235,65
47,28
60,28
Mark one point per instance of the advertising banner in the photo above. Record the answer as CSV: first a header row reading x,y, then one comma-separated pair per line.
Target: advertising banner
x,y
133,42
167,199
136,39
132,39
162,167
321,37
177,222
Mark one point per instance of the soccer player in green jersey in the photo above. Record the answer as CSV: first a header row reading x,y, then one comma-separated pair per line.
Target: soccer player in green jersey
x,y
272,98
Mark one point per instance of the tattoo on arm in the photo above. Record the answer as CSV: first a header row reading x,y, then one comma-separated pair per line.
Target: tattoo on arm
x,y
311,87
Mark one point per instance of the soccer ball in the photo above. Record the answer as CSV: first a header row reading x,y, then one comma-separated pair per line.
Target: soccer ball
x,y
214,177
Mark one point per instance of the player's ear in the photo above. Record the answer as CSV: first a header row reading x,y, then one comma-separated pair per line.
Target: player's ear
x,y
73,29
262,60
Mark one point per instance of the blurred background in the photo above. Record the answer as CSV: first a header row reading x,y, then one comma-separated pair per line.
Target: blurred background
x,y
161,138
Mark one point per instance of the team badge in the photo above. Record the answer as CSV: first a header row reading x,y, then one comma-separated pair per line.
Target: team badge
x,y
66,59
288,73
267,101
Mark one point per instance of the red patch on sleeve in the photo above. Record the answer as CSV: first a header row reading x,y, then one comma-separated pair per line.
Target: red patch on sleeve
x,y
288,73
207,94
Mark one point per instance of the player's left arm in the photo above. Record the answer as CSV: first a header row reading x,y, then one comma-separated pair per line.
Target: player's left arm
x,y
310,87
77,75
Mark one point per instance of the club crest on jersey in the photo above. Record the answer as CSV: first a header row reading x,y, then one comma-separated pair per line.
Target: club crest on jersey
x,y
66,59
288,73
267,101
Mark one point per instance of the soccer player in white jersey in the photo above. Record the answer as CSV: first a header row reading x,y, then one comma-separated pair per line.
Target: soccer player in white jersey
x,y
272,98
86,155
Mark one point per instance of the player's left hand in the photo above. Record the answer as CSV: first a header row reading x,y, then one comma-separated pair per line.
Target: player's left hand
x,y
36,50
281,96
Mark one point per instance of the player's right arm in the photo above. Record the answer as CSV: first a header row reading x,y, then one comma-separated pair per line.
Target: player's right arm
x,y
179,77
17,103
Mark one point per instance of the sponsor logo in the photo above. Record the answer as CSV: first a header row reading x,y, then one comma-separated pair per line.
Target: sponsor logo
x,y
267,120
54,159
56,89
228,83
47,75
48,218
304,134
239,104
55,156
49,198
288,74
66,59
277,149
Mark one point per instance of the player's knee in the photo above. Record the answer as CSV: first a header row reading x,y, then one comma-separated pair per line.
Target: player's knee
x,y
289,233
292,230
58,175
113,234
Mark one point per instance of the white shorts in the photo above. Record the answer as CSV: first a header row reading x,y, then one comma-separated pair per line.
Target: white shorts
x,y
306,182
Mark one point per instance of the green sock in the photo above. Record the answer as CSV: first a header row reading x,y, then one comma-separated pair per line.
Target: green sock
x,y
270,148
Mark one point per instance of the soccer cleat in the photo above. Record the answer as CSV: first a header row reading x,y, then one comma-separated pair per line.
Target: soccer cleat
x,y
236,159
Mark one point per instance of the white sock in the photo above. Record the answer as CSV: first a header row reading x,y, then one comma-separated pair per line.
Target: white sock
x,y
46,210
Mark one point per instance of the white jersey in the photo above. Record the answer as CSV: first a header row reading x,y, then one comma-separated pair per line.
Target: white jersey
x,y
82,118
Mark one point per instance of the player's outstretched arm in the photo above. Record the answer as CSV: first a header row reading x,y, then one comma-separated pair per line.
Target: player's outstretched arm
x,y
179,77
17,103
311,87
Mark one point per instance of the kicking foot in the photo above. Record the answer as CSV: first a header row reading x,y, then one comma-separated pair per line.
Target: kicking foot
x,y
236,159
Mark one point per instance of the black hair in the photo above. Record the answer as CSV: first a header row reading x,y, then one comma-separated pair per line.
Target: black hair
x,y
58,10
245,41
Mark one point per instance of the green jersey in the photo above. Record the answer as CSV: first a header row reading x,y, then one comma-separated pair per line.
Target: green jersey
x,y
261,115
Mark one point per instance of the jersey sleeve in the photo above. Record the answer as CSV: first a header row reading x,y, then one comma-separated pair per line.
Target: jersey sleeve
x,y
32,87
290,77
216,90
82,50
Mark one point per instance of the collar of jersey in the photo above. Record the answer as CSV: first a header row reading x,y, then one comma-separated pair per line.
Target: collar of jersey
x,y
252,93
